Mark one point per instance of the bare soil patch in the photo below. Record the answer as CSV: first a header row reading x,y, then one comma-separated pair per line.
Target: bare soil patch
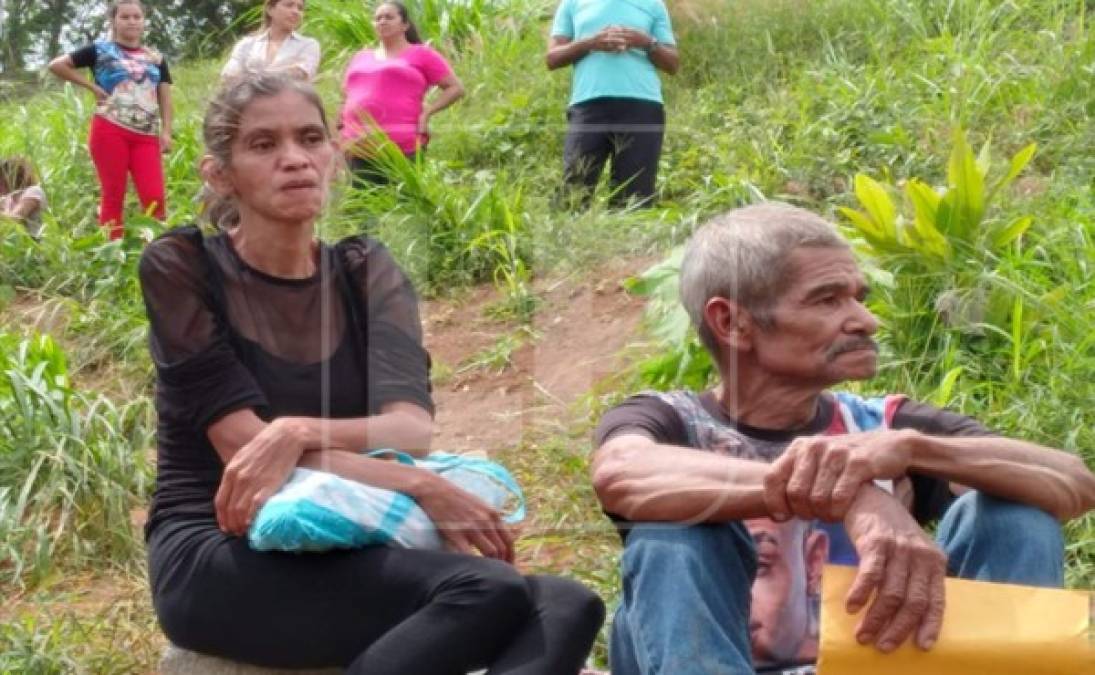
x,y
578,331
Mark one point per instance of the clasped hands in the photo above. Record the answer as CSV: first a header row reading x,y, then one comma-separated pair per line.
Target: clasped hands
x,y
620,39
831,478
261,466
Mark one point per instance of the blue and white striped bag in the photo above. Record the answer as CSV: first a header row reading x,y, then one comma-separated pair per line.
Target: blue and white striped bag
x,y
319,511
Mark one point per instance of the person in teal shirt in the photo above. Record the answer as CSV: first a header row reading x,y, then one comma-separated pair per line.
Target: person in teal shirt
x,y
616,109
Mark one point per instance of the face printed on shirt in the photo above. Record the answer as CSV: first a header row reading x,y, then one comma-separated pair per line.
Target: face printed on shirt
x,y
783,625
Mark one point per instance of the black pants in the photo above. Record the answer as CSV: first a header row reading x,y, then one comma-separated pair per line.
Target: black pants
x,y
629,131
374,611
366,170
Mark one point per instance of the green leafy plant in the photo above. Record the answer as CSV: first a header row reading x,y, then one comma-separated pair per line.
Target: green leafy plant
x,y
945,226
950,261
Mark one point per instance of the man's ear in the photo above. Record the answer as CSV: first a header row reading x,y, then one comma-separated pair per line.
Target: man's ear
x,y
731,325
214,176
816,554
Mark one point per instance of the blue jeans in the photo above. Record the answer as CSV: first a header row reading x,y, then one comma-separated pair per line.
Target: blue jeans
x,y
686,590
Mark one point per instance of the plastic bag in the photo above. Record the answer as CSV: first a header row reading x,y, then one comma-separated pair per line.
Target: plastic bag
x,y
319,511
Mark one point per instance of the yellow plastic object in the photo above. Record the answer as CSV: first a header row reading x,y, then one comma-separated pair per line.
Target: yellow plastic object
x,y
988,629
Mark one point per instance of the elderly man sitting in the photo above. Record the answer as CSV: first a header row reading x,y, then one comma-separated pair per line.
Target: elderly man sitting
x,y
778,299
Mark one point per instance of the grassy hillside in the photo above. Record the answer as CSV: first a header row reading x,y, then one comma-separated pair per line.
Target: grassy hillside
x,y
776,99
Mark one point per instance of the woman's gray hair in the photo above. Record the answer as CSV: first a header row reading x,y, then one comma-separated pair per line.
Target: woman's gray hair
x,y
742,255
222,125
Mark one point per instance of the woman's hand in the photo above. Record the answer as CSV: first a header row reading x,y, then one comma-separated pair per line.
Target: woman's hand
x,y
424,125
100,93
165,141
465,521
255,473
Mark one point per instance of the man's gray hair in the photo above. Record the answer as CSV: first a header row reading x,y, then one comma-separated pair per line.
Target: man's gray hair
x,y
742,255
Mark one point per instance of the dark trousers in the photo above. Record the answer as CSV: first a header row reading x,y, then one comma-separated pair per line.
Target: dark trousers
x,y
629,131
368,170
374,611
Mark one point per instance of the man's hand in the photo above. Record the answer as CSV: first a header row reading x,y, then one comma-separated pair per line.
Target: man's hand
x,y
255,473
901,566
634,39
608,39
819,476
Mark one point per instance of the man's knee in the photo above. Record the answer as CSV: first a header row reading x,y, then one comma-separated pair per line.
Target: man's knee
x,y
690,550
1004,519
999,540
686,600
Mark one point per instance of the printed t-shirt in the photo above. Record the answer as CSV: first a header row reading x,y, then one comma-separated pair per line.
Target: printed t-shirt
x,y
130,77
687,419
628,74
389,93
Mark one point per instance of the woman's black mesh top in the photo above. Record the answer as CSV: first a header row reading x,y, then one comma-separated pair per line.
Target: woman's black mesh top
x,y
225,336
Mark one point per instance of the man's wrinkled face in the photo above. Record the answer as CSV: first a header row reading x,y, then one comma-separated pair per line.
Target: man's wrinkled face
x,y
789,559
821,330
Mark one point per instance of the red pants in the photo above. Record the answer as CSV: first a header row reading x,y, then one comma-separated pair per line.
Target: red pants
x,y
116,152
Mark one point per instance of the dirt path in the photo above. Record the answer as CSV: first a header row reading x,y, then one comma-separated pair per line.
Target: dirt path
x,y
575,339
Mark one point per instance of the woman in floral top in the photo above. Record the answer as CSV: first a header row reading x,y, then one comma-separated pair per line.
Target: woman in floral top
x,y
132,122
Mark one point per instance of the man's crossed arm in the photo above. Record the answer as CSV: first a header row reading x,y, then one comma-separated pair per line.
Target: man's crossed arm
x,y
832,478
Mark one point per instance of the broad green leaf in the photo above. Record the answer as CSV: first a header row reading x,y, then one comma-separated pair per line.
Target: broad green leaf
x,y
948,215
984,158
925,203
657,275
1012,232
968,187
876,201
863,223
1018,163
943,392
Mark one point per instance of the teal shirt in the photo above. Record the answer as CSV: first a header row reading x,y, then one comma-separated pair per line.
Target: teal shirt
x,y
629,74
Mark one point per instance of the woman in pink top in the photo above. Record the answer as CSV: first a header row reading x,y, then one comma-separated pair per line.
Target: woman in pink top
x,y
384,92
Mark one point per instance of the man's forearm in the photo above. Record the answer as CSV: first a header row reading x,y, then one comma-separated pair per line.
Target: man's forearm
x,y
640,480
1057,482
561,55
665,58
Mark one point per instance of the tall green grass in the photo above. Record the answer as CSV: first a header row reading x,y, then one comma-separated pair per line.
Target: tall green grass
x,y
72,467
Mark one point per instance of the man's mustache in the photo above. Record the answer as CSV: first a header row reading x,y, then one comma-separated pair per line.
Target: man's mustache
x,y
851,345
